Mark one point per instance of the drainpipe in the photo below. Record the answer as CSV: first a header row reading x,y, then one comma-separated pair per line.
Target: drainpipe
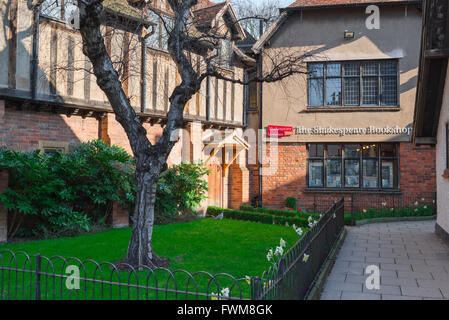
x,y
260,115
35,51
143,69
208,98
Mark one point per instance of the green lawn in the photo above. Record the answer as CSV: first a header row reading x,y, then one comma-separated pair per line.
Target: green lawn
x,y
227,246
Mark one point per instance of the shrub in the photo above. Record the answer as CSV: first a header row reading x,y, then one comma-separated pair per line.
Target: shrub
x,y
246,208
181,189
290,202
65,192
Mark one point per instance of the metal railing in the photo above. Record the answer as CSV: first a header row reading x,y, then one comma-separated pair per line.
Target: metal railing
x,y
294,275
36,277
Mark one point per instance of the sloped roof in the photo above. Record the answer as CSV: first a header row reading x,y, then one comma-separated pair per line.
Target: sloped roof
x,y
330,3
123,8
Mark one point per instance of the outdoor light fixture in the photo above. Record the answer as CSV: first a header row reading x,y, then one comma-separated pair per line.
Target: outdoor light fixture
x,y
349,34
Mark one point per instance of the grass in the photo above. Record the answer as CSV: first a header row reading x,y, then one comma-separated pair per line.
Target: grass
x,y
227,246
370,213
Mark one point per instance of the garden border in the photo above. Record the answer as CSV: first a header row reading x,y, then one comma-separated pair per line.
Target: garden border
x,y
358,223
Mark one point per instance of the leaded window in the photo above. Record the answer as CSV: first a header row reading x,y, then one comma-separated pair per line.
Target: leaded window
x,y
354,166
353,83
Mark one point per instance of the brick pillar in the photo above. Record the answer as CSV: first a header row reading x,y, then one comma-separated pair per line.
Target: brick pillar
x,y
3,212
239,186
120,216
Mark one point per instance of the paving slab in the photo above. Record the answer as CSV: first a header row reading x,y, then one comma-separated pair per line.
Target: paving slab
x,y
413,263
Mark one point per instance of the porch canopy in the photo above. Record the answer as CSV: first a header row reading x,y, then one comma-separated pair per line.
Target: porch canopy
x,y
229,142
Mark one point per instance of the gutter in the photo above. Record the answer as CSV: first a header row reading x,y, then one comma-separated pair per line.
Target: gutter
x,y
35,51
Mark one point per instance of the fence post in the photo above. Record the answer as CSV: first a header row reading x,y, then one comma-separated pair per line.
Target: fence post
x,y
255,288
38,277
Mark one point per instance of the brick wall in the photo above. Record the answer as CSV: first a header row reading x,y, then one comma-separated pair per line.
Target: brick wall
x,y
417,180
3,211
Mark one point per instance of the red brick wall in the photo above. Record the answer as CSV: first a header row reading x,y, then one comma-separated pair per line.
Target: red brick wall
x,y
22,130
417,180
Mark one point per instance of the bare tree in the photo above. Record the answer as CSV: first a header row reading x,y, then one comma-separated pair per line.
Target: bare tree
x,y
267,10
151,159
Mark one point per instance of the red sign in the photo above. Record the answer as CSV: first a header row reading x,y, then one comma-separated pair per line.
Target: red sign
x,y
279,131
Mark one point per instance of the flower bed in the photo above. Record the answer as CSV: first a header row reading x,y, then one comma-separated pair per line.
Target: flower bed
x,y
370,213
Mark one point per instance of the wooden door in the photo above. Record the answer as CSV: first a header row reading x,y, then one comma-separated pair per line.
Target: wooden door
x,y
214,184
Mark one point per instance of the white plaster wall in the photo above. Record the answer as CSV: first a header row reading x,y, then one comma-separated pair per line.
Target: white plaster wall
x,y
442,183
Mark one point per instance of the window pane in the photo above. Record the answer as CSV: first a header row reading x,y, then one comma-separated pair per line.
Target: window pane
x,y
315,92
315,173
333,150
51,8
352,173
389,174
388,150
333,70
389,91
352,92
370,91
369,150
370,173
316,70
370,68
352,69
333,172
70,8
352,151
389,68
316,150
333,92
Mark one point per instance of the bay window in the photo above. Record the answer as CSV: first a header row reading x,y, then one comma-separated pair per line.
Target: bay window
x,y
353,166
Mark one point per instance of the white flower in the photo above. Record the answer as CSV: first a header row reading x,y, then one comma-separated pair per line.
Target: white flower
x,y
416,203
270,255
305,258
310,224
321,215
422,199
299,231
248,279
225,292
433,201
425,207
392,209
384,204
364,210
214,296
282,243
416,210
294,226
279,251
310,219
334,215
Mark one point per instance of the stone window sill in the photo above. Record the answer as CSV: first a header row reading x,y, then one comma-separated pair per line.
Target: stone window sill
x,y
353,109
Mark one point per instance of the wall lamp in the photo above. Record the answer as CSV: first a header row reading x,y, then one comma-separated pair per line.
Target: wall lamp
x,y
349,34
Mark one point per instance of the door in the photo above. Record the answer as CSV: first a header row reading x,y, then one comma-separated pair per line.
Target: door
x,y
214,184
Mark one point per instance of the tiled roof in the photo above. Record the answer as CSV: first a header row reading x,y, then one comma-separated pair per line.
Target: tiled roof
x,y
205,14
329,3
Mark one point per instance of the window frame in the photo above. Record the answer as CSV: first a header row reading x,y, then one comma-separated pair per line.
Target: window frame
x,y
447,145
395,159
380,78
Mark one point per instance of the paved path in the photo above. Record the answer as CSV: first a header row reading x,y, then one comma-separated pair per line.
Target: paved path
x,y
413,263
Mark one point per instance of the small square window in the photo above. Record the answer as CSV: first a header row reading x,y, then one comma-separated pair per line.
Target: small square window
x,y
53,146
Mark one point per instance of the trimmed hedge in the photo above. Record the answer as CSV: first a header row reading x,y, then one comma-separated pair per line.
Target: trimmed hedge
x,y
259,217
247,208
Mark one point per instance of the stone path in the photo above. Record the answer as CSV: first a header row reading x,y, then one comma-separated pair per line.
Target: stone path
x,y
413,263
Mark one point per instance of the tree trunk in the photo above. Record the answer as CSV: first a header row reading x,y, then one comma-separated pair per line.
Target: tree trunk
x,y
140,250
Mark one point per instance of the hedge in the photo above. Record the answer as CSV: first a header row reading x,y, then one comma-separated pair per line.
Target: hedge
x,y
258,217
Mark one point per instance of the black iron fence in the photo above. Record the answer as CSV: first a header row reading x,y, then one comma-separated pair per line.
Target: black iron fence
x,y
293,276
36,277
